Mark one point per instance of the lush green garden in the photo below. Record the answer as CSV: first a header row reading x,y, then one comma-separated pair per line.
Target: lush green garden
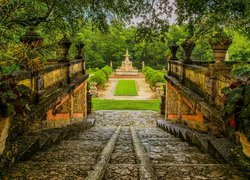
x,y
126,88
107,104
100,77
153,76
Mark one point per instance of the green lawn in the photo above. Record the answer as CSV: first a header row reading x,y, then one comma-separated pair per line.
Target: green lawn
x,y
107,104
126,88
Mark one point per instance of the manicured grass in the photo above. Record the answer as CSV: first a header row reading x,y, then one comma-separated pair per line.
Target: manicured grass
x,y
108,104
126,88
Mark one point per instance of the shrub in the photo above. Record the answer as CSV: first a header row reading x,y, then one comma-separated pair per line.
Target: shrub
x,y
157,77
109,69
101,76
106,72
153,76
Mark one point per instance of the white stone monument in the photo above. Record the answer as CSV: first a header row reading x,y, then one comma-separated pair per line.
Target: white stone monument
x,y
127,68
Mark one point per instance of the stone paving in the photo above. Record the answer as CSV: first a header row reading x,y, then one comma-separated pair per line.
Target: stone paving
x,y
169,157
144,91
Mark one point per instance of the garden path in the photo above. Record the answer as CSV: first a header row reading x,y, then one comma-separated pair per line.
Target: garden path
x,y
144,91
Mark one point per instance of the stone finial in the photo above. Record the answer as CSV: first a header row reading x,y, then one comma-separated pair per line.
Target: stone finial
x,y
31,38
79,47
111,64
173,48
143,64
64,44
188,46
220,46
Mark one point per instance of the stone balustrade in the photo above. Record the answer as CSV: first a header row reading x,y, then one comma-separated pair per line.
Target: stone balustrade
x,y
194,95
59,94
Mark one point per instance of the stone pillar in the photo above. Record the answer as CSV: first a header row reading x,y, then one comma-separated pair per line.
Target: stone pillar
x,y
111,64
39,87
65,44
179,104
163,101
89,103
71,105
79,47
93,89
32,39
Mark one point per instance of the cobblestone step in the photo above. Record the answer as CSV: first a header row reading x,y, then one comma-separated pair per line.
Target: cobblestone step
x,y
126,145
219,150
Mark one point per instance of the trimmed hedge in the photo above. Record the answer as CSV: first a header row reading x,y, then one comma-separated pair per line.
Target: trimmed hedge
x,y
153,76
101,76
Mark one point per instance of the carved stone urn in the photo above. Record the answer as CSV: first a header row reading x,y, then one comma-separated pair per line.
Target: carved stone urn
x,y
31,38
79,47
64,44
173,48
188,46
220,46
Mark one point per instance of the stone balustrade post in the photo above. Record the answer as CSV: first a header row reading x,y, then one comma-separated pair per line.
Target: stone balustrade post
x,y
163,101
89,103
33,39
80,47
173,48
64,45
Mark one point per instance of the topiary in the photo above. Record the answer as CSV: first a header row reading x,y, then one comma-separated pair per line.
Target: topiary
x,y
157,77
98,77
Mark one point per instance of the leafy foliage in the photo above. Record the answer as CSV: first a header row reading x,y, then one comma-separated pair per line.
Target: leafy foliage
x,y
237,107
101,76
153,76
14,98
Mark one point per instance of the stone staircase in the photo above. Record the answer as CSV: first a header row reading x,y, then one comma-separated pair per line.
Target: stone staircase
x,y
23,147
128,145
218,147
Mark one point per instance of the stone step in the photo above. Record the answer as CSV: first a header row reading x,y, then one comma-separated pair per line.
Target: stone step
x,y
26,146
220,148
197,171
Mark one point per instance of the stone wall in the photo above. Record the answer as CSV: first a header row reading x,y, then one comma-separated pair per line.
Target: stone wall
x,y
58,99
194,94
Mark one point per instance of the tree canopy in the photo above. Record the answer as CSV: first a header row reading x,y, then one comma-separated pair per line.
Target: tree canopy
x,y
109,27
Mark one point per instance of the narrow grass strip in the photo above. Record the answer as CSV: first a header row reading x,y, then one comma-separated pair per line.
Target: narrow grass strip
x,y
109,104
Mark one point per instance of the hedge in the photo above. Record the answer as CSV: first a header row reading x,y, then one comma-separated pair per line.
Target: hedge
x,y
153,76
101,76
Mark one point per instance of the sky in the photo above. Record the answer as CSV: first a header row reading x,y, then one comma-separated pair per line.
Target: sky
x,y
172,19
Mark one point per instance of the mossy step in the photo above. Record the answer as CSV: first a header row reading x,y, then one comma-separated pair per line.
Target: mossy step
x,y
27,146
220,148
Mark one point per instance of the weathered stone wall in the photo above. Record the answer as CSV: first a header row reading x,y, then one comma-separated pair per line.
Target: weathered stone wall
x,y
58,98
194,94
